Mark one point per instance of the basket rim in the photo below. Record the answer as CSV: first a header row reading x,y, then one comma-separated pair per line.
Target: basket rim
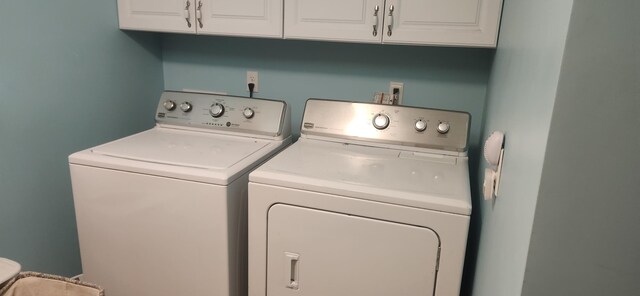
x,y
26,274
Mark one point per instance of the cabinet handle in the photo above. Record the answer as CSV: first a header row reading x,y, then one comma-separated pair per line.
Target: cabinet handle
x,y
199,13
187,15
390,21
375,20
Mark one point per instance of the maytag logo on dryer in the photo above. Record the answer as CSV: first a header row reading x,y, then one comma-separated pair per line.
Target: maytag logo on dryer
x,y
308,125
161,114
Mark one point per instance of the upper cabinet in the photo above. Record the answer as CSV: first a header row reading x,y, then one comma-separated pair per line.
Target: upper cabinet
x,y
436,22
259,18
338,20
157,15
422,22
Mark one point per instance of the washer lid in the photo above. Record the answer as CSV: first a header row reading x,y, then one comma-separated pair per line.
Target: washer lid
x,y
428,181
8,269
183,148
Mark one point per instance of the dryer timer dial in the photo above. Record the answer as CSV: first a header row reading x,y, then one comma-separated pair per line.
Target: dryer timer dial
x,y
380,121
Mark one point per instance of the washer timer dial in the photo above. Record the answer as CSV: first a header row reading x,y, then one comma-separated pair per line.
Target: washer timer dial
x,y
216,110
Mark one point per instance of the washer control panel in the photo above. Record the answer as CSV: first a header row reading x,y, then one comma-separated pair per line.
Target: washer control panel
x,y
221,112
390,124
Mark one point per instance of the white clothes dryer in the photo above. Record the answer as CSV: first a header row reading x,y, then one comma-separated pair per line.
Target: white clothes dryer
x,y
372,200
163,212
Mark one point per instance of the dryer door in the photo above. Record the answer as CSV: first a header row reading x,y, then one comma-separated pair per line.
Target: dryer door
x,y
319,253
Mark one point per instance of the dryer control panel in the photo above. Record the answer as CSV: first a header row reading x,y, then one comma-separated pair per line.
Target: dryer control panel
x,y
387,124
222,112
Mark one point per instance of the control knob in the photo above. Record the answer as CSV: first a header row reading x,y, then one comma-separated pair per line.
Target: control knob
x,y
443,127
248,113
380,121
169,105
421,125
216,110
186,107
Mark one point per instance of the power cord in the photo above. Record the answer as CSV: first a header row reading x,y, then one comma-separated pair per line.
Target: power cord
x,y
251,87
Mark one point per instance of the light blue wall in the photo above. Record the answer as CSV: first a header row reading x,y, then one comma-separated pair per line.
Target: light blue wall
x,y
69,79
521,95
585,238
449,78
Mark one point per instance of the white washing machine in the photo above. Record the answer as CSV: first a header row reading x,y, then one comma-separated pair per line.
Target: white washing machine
x,y
163,212
372,200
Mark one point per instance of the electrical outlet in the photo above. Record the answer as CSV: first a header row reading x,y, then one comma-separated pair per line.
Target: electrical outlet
x,y
400,88
252,77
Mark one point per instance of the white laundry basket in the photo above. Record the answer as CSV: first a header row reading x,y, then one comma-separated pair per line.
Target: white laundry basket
x,y
39,284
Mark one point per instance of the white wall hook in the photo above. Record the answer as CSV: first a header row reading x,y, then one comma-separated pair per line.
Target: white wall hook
x,y
493,154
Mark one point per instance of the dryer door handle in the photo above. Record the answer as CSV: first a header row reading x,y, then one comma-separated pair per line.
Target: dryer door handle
x,y
292,269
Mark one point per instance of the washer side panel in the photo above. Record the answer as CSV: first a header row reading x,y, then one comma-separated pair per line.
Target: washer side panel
x,y
137,231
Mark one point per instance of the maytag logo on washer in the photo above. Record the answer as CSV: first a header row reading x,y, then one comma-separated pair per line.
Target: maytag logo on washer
x,y
161,115
308,125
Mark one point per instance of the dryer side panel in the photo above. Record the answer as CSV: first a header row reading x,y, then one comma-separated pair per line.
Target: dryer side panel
x,y
316,252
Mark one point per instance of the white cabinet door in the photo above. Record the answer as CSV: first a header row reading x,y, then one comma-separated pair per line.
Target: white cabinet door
x,y
157,15
319,253
442,22
258,18
339,20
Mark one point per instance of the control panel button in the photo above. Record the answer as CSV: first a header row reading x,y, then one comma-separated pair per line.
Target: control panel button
x,y
216,110
381,121
186,107
169,105
443,127
248,113
421,125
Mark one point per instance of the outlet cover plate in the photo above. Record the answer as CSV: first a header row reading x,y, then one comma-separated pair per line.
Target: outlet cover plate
x,y
252,77
399,85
